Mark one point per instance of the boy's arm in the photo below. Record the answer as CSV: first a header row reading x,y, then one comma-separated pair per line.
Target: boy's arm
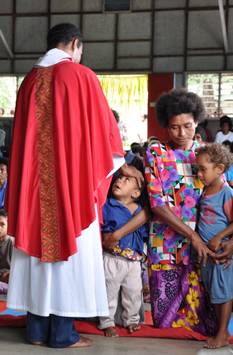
x,y
215,243
110,240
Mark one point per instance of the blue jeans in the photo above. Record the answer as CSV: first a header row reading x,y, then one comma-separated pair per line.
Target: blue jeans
x,y
58,331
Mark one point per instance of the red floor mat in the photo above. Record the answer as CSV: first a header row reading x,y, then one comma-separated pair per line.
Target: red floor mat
x,y
146,331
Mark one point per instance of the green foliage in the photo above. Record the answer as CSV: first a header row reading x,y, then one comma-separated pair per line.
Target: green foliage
x,y
124,90
8,92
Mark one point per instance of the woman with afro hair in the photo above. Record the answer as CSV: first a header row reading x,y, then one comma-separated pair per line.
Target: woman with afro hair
x,y
178,297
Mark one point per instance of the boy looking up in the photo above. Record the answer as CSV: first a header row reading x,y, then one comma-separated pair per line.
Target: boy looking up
x,y
122,266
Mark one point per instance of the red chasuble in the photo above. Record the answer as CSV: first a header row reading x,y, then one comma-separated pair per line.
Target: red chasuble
x,y
63,139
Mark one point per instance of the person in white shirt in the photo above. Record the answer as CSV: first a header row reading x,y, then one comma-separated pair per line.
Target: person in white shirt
x,y
224,134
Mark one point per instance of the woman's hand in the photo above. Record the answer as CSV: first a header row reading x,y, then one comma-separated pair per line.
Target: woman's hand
x,y
110,241
226,255
176,224
202,250
130,170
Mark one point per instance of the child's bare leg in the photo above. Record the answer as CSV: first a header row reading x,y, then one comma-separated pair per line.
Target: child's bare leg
x,y
133,327
110,332
223,312
218,315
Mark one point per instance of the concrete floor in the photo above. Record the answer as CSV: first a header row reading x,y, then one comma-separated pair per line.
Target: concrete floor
x,y
14,341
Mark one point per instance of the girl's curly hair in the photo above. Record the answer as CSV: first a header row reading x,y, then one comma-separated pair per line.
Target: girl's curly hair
x,y
176,102
217,154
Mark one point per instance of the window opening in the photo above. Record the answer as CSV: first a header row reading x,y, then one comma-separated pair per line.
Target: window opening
x,y
216,90
116,6
128,95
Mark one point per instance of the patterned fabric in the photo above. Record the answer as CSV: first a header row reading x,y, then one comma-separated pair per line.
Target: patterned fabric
x,y
179,299
49,218
178,296
116,215
171,179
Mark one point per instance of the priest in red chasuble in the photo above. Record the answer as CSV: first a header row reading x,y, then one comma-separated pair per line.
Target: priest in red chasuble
x,y
65,146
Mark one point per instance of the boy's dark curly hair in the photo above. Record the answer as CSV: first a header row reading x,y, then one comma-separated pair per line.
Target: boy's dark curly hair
x,y
217,154
4,161
176,102
225,119
3,213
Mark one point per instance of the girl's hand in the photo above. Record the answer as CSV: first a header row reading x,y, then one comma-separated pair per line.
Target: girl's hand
x,y
214,243
226,255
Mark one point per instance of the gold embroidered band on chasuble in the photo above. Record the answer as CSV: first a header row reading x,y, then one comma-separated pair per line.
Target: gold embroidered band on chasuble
x,y
49,216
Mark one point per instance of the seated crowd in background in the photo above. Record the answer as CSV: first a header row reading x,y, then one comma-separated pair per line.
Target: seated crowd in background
x,y
225,132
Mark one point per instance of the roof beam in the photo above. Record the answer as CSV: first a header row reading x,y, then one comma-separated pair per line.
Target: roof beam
x,y
6,44
223,24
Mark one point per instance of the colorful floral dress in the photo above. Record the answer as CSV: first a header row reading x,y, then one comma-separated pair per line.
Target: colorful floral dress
x,y
178,296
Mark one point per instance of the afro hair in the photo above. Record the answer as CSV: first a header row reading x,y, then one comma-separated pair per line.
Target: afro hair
x,y
177,102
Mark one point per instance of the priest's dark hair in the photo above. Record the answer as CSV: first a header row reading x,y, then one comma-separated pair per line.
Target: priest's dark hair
x,y
63,33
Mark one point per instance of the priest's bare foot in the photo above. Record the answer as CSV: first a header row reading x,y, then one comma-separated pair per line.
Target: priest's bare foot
x,y
82,343
111,332
133,327
217,342
36,342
